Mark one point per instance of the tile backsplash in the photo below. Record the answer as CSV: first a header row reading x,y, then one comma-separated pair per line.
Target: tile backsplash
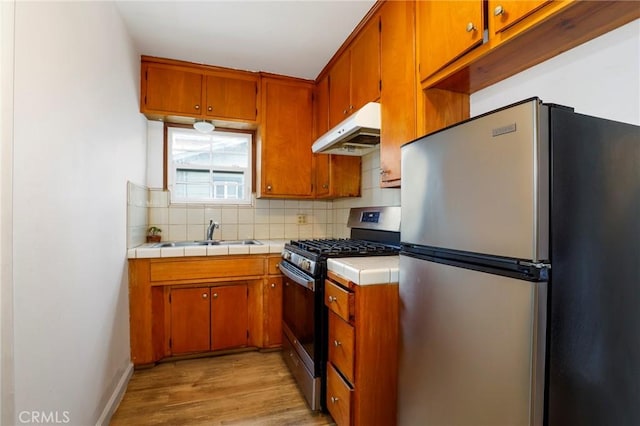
x,y
137,214
264,219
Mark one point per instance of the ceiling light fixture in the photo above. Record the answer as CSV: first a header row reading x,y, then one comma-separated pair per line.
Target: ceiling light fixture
x,y
203,126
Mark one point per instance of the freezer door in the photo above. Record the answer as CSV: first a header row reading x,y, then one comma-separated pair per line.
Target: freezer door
x,y
481,186
471,348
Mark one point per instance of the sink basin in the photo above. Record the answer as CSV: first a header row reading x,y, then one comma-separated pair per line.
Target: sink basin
x,y
207,243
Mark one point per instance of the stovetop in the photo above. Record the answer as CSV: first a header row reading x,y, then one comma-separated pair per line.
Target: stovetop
x,y
311,255
344,247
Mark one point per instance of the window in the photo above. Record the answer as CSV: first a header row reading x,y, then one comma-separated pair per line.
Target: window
x,y
208,168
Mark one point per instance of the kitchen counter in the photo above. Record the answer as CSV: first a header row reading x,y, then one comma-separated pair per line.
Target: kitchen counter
x,y
366,270
146,251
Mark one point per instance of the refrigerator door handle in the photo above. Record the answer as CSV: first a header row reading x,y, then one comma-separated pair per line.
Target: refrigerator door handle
x,y
537,265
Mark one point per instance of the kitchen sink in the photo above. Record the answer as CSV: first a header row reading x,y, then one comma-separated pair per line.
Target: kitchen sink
x,y
207,243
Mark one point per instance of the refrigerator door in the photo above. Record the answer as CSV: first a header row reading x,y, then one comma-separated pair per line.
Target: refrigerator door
x,y
471,349
481,186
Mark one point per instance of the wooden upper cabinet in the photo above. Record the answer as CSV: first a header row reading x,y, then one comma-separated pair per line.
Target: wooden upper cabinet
x,y
446,30
398,95
354,79
286,138
171,89
335,175
174,88
340,90
232,98
503,14
365,65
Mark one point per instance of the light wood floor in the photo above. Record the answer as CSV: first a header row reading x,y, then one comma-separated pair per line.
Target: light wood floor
x,y
249,388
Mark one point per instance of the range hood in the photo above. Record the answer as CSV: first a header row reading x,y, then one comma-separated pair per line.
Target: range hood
x,y
357,135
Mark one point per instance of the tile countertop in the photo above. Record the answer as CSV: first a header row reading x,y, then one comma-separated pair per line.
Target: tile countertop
x,y
146,251
366,270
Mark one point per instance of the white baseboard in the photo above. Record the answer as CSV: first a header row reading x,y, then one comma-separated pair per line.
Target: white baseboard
x,y
116,397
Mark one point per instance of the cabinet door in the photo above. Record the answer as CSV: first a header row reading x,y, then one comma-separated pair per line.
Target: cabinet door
x,y
398,96
172,90
446,30
286,139
365,66
228,316
190,310
273,311
321,126
232,98
339,90
503,13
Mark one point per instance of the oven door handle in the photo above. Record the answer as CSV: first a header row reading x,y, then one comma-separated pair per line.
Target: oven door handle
x,y
297,277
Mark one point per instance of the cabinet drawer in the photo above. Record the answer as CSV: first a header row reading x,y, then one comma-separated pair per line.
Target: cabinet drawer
x,y
338,397
339,300
176,270
272,267
341,344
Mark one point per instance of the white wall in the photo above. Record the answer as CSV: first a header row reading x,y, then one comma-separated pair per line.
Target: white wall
x,y
78,139
600,78
7,10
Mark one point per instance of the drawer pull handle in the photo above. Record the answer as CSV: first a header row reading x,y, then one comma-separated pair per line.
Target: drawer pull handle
x,y
335,399
332,299
337,343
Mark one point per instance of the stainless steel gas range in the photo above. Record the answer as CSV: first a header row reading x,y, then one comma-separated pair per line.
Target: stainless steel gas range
x,y
375,231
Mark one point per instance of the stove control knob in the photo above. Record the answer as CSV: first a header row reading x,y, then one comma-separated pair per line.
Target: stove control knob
x,y
286,255
306,265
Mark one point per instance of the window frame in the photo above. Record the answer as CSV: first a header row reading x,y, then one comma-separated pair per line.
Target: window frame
x,y
251,169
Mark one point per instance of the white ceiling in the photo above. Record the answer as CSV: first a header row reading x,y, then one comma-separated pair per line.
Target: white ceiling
x,y
294,38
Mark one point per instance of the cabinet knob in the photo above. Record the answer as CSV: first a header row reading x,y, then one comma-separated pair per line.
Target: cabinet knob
x,y
498,10
325,186
471,27
268,187
197,107
335,399
337,343
344,112
273,285
332,299
210,108
350,107
215,295
205,295
383,172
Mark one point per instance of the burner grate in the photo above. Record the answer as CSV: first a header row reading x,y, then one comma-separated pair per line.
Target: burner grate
x,y
343,247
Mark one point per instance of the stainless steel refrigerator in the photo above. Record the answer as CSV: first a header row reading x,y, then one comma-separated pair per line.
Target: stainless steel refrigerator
x,y
520,271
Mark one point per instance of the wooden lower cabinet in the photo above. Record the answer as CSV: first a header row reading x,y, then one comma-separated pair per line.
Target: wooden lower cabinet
x,y
228,316
190,318
272,296
199,304
363,346
207,319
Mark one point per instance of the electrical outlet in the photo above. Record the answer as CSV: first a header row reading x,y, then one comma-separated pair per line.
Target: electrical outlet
x,y
302,219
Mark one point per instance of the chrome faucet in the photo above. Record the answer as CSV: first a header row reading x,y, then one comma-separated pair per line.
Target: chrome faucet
x,y
212,226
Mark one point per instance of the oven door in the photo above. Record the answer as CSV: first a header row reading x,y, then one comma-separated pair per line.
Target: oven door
x,y
299,313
